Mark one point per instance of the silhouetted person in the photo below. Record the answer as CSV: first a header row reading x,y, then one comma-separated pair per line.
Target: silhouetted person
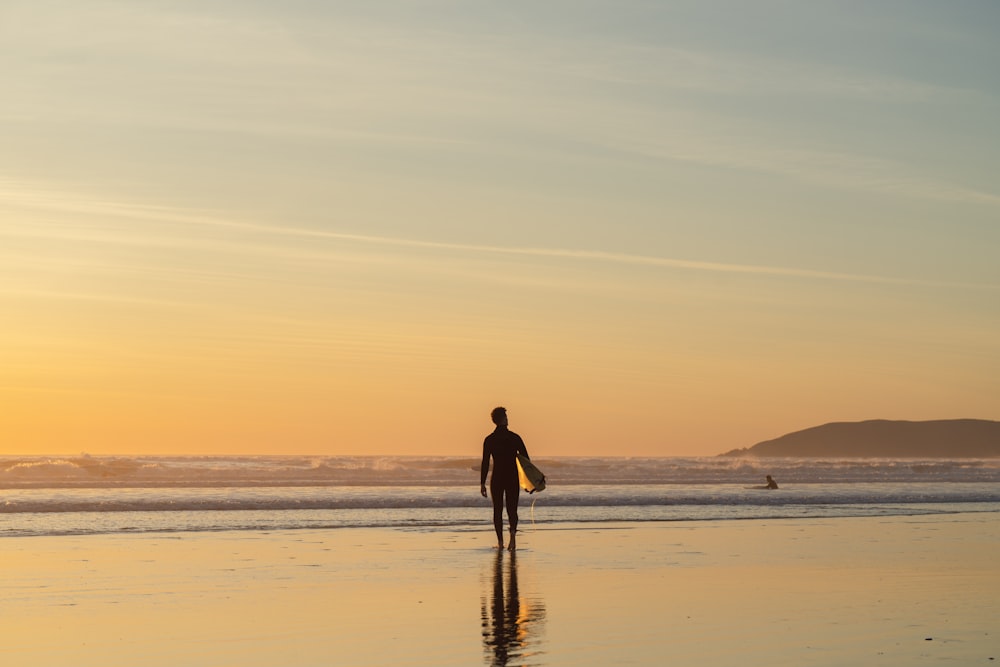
x,y
503,446
771,484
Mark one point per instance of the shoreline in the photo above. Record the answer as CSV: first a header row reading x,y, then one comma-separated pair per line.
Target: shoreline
x,y
818,591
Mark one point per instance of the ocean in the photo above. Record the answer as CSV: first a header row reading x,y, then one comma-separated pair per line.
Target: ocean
x,y
79,495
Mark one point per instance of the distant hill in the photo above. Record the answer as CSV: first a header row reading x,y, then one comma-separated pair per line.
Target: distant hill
x,y
948,438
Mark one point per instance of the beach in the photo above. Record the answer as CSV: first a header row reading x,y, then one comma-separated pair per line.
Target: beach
x,y
819,591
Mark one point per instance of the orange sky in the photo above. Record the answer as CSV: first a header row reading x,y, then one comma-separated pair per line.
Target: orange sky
x,y
651,231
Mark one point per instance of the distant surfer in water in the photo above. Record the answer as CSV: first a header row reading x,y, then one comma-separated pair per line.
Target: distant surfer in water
x,y
503,446
771,484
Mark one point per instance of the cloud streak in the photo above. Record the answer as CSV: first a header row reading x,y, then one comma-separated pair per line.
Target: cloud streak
x,y
34,197
626,258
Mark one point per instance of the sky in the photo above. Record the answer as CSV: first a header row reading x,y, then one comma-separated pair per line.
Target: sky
x,y
646,228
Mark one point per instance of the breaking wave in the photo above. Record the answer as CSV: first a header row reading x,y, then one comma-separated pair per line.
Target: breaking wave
x,y
235,471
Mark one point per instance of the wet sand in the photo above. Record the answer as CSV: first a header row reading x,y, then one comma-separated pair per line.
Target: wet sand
x,y
871,591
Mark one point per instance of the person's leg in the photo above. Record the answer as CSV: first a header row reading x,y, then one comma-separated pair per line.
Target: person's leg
x,y
497,494
512,497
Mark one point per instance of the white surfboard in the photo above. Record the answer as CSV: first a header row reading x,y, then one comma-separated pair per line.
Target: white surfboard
x,y
531,478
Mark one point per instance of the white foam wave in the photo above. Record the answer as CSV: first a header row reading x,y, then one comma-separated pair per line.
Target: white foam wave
x,y
192,499
222,471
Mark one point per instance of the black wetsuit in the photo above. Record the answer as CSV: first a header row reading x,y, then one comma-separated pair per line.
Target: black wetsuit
x,y
503,446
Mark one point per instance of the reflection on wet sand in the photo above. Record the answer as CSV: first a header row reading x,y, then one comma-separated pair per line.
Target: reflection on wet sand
x,y
511,623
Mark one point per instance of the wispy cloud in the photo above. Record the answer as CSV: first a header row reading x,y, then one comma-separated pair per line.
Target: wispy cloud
x,y
19,195
612,257
849,171
467,89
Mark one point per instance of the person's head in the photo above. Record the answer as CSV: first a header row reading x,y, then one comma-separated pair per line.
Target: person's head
x,y
499,416
769,478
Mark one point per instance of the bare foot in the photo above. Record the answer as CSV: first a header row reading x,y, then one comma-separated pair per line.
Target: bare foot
x,y
500,546
512,546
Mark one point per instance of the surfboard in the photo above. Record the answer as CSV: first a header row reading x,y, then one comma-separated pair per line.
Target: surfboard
x,y
531,478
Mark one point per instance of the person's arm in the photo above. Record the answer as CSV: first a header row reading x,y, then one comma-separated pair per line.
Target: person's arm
x,y
484,468
522,448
